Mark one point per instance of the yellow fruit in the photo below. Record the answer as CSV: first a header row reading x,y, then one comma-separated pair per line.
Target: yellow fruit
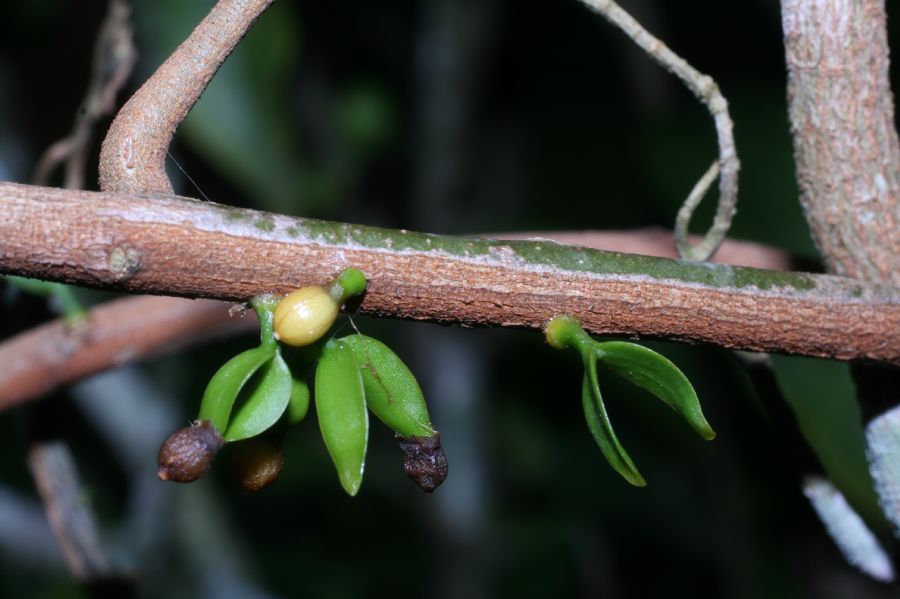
x,y
303,316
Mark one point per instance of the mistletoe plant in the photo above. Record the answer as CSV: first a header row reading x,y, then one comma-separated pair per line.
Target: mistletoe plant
x,y
636,364
254,398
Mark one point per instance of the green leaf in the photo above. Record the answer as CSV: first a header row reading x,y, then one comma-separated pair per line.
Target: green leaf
x,y
392,392
265,404
601,429
224,386
341,407
658,375
298,405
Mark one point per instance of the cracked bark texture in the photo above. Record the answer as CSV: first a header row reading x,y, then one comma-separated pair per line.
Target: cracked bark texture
x,y
157,244
847,154
845,144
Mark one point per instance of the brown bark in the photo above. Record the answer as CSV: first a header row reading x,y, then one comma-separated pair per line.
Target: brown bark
x,y
170,245
132,158
44,358
47,357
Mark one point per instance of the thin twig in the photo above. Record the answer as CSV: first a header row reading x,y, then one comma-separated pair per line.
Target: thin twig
x,y
71,520
707,92
114,59
162,244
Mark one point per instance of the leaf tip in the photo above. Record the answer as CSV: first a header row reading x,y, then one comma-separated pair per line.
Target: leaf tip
x,y
351,484
635,478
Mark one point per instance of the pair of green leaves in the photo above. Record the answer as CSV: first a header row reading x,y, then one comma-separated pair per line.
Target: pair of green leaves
x,y
638,365
272,394
356,374
251,392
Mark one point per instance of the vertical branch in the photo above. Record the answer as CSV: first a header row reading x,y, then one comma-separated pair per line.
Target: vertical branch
x,y
132,158
845,144
847,153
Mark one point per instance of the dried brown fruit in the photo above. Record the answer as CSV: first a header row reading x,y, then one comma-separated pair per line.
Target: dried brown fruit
x,y
258,461
424,460
189,451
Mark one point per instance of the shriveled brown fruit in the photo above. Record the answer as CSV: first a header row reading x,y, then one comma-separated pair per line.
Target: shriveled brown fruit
x,y
189,451
424,460
258,461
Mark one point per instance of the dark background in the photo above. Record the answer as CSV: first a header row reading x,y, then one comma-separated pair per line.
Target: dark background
x,y
459,117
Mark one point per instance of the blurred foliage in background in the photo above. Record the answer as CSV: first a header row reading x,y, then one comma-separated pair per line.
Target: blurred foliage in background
x,y
453,116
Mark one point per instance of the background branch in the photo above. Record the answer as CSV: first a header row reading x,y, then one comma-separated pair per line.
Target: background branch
x,y
72,522
660,242
113,60
171,245
42,359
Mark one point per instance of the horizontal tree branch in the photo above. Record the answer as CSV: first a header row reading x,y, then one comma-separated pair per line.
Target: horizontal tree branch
x,y
160,244
42,359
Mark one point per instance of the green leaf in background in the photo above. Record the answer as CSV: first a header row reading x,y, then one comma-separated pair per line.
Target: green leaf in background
x,y
343,417
224,386
392,392
655,373
298,405
823,398
601,429
265,404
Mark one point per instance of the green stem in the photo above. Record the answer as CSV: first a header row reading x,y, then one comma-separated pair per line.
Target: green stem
x,y
264,306
566,331
349,283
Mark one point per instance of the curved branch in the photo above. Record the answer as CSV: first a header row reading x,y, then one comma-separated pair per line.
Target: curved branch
x,y
177,246
132,157
707,91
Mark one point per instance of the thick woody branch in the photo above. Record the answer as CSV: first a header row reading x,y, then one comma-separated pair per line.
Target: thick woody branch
x,y
40,360
132,158
845,143
169,245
